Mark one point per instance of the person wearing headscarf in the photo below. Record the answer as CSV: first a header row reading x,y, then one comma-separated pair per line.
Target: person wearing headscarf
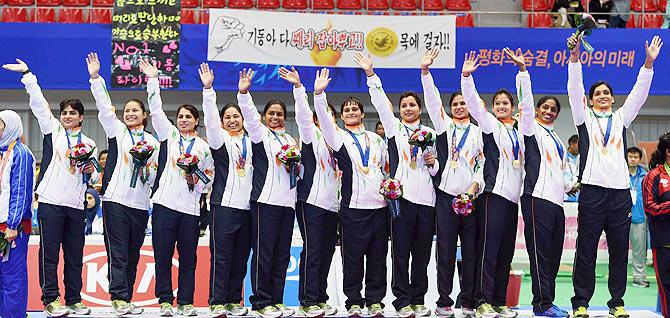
x,y
91,209
17,168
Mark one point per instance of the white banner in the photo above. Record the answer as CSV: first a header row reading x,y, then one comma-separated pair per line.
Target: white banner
x,y
307,39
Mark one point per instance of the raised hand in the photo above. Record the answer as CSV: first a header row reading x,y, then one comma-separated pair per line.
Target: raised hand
x,y
322,80
519,60
428,58
206,75
93,65
470,64
149,69
291,76
653,49
19,67
365,62
575,48
245,80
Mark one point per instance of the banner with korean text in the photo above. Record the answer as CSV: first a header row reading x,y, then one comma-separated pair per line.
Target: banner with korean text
x,y
306,39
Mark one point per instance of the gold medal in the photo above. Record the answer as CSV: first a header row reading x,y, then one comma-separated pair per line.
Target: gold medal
x,y
516,164
454,164
241,172
412,164
365,170
604,151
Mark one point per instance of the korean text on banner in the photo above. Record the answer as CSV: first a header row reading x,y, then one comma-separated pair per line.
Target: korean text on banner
x,y
312,39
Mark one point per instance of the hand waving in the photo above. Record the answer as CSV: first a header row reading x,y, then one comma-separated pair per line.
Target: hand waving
x,y
519,60
428,58
470,64
291,76
245,80
149,69
322,80
19,67
93,65
365,62
206,75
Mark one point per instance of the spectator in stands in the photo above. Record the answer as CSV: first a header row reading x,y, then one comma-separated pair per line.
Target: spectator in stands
x,y
656,196
102,158
565,11
16,195
601,9
638,227
621,13
92,210
571,172
379,129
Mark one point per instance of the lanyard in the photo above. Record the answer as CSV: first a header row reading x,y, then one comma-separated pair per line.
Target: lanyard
x,y
277,138
461,143
414,149
67,136
365,156
243,154
606,134
181,145
133,138
515,143
559,147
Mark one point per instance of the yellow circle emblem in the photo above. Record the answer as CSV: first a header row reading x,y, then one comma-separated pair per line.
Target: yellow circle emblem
x,y
381,42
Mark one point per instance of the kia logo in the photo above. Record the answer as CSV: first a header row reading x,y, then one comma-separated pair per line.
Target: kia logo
x,y
96,283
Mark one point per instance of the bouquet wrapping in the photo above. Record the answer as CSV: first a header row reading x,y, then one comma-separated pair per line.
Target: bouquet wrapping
x,y
189,163
141,152
586,25
391,190
289,155
462,204
82,154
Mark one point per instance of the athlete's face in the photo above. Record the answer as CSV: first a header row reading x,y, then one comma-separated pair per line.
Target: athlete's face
x,y
547,112
70,118
133,114
459,110
186,122
409,109
352,114
232,120
275,117
502,107
602,97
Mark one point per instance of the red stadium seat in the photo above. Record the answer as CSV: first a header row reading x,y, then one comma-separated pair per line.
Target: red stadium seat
x,y
294,4
431,5
215,3
631,22
45,15
103,3
101,16
458,5
540,20
323,4
204,17
403,5
465,20
189,3
240,4
71,15
377,4
187,16
10,14
535,5
662,4
2,2
349,4
651,21
648,5
20,2
76,3
268,4
48,3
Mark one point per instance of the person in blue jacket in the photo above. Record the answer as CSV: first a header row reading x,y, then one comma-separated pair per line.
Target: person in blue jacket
x,y
638,227
17,168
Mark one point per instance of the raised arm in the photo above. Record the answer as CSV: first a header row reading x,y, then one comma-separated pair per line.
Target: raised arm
x,y
524,93
431,94
475,104
106,114
378,97
252,119
303,115
576,83
216,135
38,104
638,95
159,119
328,127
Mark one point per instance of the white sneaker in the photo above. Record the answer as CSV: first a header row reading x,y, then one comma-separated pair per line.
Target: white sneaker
x,y
468,313
79,309
445,312
405,312
217,311
235,309
285,311
166,310
376,310
135,310
311,311
328,309
421,310
186,310
355,311
268,312
120,307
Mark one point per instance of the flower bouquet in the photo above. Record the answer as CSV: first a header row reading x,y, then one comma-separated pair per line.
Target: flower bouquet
x,y
189,163
462,204
289,155
421,138
141,152
391,190
585,26
82,154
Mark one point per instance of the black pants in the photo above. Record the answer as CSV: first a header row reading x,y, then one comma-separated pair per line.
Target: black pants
x,y
411,234
662,268
229,247
364,249
318,228
609,210
61,225
124,231
170,227
204,212
497,221
449,227
271,234
544,232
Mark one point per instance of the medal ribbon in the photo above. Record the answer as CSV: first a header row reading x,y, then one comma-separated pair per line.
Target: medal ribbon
x,y
181,145
133,138
515,143
365,156
559,147
606,134
455,150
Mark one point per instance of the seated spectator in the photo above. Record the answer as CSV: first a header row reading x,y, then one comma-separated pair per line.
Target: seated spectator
x,y
601,9
565,11
620,14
